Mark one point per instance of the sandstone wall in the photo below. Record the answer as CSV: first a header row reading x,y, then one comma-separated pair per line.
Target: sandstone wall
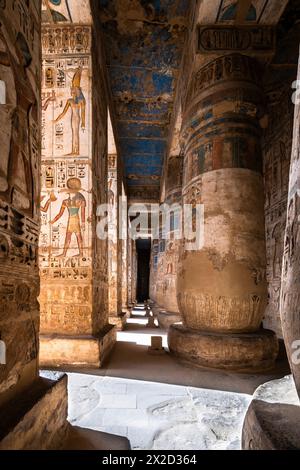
x,y
114,243
19,192
100,171
277,147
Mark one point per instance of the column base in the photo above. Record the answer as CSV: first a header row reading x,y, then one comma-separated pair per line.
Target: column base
x,y
118,320
249,352
38,419
166,319
79,351
271,426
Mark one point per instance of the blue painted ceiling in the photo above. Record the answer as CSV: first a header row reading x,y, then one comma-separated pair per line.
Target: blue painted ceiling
x,y
143,54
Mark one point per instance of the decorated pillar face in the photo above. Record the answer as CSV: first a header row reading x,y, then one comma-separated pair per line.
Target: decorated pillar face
x,y
124,275
66,198
290,282
133,271
153,270
222,287
161,259
129,272
173,200
73,264
114,253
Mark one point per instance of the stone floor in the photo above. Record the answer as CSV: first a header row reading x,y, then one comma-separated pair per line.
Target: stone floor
x,y
157,416
158,403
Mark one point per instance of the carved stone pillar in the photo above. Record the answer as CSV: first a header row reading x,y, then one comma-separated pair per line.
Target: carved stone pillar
x,y
173,193
73,259
160,291
222,290
134,272
116,317
124,275
260,428
153,270
129,273
290,282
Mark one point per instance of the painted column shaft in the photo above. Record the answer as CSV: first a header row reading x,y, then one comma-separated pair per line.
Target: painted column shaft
x,y
222,291
222,287
172,199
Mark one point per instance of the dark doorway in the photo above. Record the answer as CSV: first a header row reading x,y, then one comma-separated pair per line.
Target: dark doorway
x,y
143,248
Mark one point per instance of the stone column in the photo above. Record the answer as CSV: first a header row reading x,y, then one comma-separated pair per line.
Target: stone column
x,y
124,272
153,270
222,291
173,193
114,247
290,281
129,273
260,428
160,287
133,272
73,260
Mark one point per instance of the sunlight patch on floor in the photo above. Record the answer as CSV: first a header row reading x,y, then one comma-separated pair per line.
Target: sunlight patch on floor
x,y
157,416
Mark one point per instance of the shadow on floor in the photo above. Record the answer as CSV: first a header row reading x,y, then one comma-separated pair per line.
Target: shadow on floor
x,y
132,361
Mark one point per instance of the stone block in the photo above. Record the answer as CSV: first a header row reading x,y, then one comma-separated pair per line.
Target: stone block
x,y
83,351
38,419
271,426
251,352
156,347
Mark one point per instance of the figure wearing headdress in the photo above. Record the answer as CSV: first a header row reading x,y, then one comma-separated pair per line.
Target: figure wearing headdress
x,y
76,205
77,104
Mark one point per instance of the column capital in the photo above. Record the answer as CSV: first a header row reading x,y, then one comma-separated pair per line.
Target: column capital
x,y
233,67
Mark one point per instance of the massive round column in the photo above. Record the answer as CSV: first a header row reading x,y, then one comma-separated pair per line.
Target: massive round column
x,y
222,291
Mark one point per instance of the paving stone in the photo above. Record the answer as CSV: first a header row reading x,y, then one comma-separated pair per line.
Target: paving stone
x,y
118,401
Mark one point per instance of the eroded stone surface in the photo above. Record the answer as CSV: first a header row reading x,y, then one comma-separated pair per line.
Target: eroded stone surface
x,y
278,391
19,182
253,351
289,300
38,420
156,415
272,420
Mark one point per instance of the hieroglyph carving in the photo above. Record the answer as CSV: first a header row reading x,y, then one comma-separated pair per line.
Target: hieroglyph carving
x,y
290,284
19,188
255,39
229,67
66,238
277,147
